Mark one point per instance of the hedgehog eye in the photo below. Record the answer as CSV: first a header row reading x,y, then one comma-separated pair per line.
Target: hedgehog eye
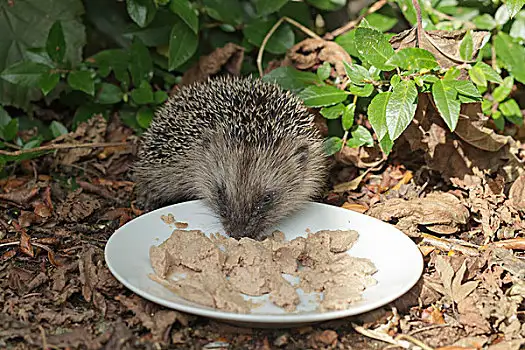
x,y
267,199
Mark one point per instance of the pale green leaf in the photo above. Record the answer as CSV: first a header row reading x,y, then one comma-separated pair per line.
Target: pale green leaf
x,y
57,129
485,21
141,12
361,91
319,96
478,76
489,72
445,98
413,58
514,6
377,114
323,72
466,47
401,108
347,121
356,73
360,137
511,54
502,92
502,15
465,87
374,48
511,111
333,112
332,145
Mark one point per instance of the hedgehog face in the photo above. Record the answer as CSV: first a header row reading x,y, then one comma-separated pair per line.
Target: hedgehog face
x,y
253,188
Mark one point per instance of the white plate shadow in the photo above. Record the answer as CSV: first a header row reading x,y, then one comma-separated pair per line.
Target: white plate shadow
x,y
397,258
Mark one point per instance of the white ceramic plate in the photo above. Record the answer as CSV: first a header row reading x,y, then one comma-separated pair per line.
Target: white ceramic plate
x,y
396,257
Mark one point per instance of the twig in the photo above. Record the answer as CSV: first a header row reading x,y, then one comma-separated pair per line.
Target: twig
x,y
270,33
447,245
414,341
350,25
419,22
62,146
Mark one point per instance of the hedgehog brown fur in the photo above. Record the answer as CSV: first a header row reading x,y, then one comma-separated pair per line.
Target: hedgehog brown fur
x,y
246,147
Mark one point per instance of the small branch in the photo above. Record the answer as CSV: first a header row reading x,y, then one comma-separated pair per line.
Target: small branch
x,y
270,33
419,22
62,146
350,25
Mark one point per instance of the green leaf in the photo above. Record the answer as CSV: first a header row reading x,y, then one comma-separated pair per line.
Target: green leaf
x,y
57,129
466,47
185,11
381,22
408,10
362,91
401,108
82,80
502,15
356,73
143,94
478,76
374,48
511,111
56,42
327,5
118,61
4,117
144,117
281,40
86,112
319,96
141,12
48,81
265,7
517,30
24,73
489,72
26,25
108,94
498,119
290,78
452,74
332,145
160,97
502,92
360,136
465,87
511,54
227,11
333,112
323,72
386,144
347,42
33,143
348,116
377,114
486,106
445,98
485,22
140,63
8,132
413,58
183,44
514,6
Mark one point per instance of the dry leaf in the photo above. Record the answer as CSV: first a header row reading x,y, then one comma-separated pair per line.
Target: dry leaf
x,y
227,59
517,193
451,281
443,44
310,53
25,244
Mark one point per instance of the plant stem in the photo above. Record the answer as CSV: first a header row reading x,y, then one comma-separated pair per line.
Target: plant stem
x,y
350,25
419,22
270,33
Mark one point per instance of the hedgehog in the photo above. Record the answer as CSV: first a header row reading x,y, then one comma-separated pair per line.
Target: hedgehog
x,y
246,147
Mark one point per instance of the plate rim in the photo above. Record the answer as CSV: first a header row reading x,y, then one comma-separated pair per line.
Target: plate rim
x,y
257,318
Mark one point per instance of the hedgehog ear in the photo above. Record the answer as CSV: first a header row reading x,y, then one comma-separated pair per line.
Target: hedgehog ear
x,y
302,154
